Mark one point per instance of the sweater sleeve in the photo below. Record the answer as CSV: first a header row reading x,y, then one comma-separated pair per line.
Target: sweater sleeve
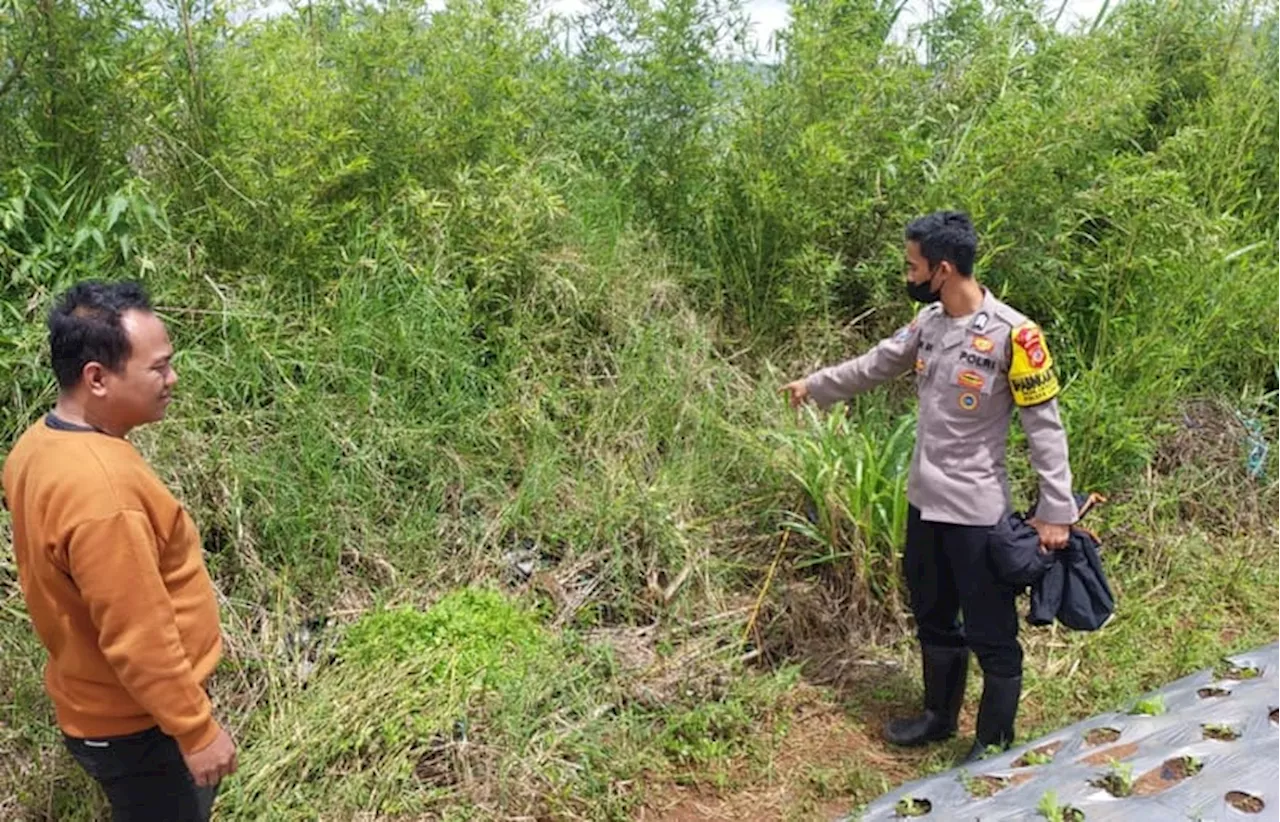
x,y
114,561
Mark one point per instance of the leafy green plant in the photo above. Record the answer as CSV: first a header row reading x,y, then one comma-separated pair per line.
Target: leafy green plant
x,y
1053,812
982,786
468,631
1151,706
1034,757
1118,780
853,473
1224,733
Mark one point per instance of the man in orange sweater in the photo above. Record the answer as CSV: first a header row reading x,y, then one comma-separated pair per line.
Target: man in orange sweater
x,y
111,567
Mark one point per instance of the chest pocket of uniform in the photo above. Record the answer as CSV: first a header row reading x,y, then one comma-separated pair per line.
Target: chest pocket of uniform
x,y
967,376
971,379
976,366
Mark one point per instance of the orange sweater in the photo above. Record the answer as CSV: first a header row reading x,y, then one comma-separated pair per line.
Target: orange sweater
x,y
115,583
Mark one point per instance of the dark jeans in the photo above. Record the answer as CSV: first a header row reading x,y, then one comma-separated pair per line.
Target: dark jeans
x,y
144,776
949,574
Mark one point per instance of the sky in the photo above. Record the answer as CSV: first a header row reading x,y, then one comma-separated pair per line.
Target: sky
x,y
768,16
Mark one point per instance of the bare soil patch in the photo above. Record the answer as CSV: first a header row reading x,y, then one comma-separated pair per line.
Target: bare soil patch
x,y
1166,775
1101,736
1245,802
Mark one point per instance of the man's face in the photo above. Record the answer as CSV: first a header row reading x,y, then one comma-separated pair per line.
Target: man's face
x,y
917,266
140,391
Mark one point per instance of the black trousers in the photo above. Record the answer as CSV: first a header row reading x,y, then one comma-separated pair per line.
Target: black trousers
x,y
949,575
144,776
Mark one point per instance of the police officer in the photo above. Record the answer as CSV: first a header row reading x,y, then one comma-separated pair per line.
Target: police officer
x,y
974,359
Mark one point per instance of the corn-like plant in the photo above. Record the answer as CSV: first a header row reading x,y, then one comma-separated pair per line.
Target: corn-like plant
x,y
854,482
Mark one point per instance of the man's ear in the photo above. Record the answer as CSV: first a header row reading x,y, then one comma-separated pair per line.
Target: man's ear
x,y
94,375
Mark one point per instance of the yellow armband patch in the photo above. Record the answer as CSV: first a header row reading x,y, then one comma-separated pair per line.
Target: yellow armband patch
x,y
1031,377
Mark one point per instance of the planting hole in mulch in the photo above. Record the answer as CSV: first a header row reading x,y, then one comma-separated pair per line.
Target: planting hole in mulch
x,y
911,807
1275,716
1208,693
1101,736
1227,670
1072,814
1222,733
1245,802
1117,753
1113,783
984,786
1044,754
1170,773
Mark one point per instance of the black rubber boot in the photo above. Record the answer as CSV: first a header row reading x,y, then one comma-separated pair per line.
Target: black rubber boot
x,y
996,713
945,670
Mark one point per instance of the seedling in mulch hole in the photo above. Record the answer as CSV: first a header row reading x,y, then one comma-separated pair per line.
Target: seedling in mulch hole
x,y
1151,706
911,807
982,786
1226,669
1245,802
1118,781
1208,693
1053,812
1222,733
1101,736
1038,756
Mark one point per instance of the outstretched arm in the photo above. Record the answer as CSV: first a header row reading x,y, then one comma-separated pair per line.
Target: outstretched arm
x,y
891,357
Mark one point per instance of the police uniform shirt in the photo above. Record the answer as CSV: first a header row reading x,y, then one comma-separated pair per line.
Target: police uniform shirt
x,y
970,373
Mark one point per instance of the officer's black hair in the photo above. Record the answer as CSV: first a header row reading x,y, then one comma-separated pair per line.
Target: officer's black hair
x,y
84,327
946,236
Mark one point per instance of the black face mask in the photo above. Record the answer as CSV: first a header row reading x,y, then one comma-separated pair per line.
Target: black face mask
x,y
921,293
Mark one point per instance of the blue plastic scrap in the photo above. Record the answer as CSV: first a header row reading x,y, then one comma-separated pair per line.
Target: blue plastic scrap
x,y
1256,460
1212,754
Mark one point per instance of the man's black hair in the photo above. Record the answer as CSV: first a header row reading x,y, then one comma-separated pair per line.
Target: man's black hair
x,y
946,236
84,327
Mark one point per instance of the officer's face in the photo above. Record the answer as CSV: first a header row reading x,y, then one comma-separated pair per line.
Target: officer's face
x,y
918,270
